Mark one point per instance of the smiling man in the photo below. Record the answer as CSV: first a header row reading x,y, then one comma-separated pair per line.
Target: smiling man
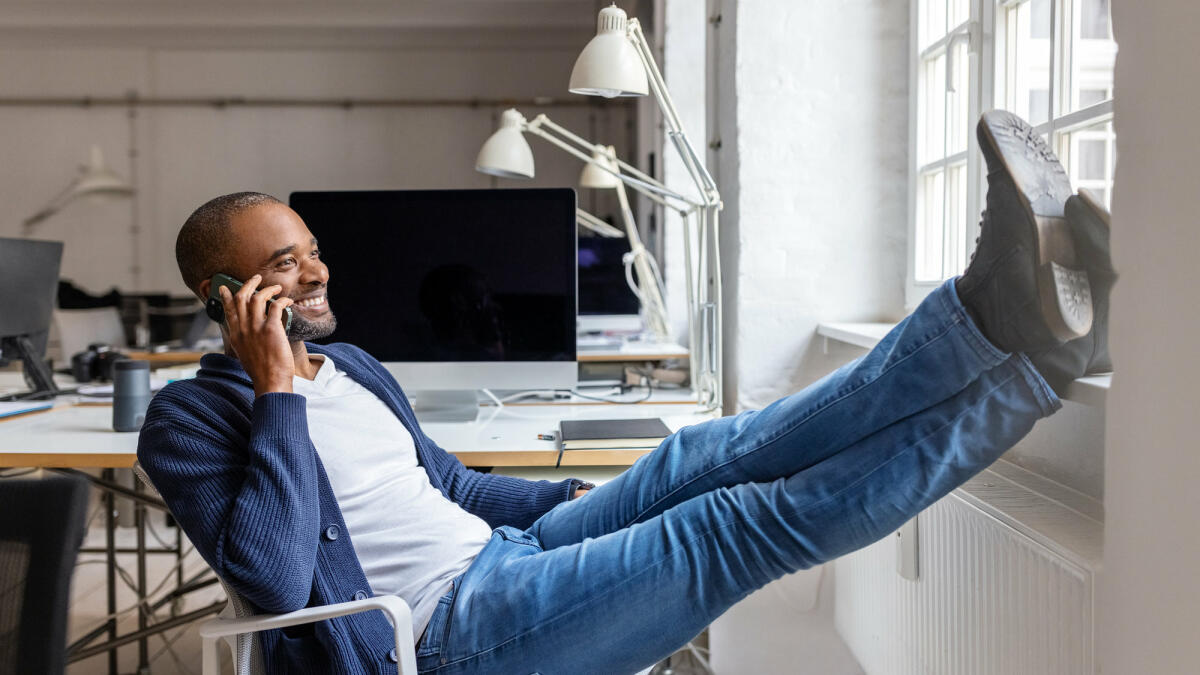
x,y
303,478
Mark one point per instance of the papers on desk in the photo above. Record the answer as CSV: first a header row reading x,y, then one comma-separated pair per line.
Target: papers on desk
x,y
613,434
14,408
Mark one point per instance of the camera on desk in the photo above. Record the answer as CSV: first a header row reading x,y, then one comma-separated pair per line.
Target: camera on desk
x,y
95,363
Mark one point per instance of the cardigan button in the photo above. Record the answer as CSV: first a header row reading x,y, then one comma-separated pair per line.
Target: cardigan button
x,y
332,532
360,595
392,657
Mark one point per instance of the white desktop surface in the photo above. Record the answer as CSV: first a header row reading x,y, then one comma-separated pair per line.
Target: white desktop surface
x,y
635,350
509,436
81,436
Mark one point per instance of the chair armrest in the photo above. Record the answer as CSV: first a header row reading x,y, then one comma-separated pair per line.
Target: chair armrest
x,y
393,607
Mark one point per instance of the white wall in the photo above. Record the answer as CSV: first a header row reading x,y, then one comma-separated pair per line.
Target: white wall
x,y
812,113
190,154
1149,592
822,140
685,28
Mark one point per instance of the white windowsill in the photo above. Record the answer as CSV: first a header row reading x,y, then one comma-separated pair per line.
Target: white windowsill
x,y
1091,390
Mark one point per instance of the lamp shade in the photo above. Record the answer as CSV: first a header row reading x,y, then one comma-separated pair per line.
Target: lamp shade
x,y
506,153
609,66
597,178
95,178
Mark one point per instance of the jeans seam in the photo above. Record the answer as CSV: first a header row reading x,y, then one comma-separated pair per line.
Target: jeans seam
x,y
945,330
896,456
726,525
610,590
983,348
1047,399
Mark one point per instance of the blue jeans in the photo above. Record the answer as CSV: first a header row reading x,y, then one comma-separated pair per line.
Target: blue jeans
x,y
618,579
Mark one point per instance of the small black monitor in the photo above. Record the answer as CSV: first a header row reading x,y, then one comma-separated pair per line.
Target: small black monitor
x,y
603,289
28,289
452,289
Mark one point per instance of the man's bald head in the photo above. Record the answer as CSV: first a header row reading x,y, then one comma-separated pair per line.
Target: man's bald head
x,y
203,246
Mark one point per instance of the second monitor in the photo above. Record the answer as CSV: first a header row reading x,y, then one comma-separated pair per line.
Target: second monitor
x,y
453,289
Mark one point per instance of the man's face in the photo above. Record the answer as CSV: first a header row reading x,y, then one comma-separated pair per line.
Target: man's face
x,y
272,240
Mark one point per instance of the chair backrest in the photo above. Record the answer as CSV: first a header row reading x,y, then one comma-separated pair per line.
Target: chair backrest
x,y
41,530
247,657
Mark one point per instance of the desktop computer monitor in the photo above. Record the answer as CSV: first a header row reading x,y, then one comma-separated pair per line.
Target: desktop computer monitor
x,y
606,303
453,289
28,289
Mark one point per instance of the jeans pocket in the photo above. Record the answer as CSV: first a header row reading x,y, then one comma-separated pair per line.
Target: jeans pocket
x,y
512,534
429,647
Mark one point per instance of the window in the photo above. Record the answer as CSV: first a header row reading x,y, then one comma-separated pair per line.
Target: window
x,y
1049,61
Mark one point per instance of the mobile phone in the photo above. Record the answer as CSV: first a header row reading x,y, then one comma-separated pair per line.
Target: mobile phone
x,y
215,308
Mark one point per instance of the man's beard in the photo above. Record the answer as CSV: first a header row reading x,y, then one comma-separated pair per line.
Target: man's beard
x,y
304,330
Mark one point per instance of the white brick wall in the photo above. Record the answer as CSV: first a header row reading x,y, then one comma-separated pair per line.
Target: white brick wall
x,y
812,112
822,138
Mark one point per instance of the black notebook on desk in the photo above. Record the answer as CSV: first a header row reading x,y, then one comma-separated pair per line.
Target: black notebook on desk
x,y
602,434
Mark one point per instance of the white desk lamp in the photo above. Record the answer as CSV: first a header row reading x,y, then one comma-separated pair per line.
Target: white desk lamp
x,y
618,62
507,154
95,178
649,285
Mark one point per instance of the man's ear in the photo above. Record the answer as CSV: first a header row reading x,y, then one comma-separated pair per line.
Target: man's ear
x,y
204,287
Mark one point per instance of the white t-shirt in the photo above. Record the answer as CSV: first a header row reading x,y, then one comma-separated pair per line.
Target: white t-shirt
x,y
410,540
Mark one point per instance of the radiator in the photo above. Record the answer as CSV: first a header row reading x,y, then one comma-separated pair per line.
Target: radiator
x,y
1004,588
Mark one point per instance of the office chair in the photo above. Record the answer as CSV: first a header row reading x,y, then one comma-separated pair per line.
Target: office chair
x,y
40,534
238,625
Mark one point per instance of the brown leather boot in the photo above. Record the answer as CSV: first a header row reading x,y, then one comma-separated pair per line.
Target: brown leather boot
x,y
1025,287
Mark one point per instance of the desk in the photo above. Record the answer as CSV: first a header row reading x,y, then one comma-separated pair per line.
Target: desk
x,y
633,351
157,359
81,436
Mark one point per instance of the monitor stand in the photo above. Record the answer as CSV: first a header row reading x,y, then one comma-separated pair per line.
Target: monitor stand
x,y
450,405
37,374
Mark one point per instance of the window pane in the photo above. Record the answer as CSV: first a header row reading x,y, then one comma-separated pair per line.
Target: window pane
x,y
932,142
931,198
1093,53
1091,161
932,22
956,221
1093,20
959,101
1089,155
1039,106
1090,97
1039,19
1027,61
960,11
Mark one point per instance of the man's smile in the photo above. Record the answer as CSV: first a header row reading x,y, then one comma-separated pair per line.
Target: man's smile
x,y
313,303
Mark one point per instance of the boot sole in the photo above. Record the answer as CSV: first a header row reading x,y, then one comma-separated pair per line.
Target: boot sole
x,y
1064,293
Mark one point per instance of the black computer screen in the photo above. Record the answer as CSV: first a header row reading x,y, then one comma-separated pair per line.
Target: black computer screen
x,y
28,288
602,285
449,275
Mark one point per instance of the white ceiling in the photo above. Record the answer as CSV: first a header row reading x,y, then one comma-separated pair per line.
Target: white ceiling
x,y
297,22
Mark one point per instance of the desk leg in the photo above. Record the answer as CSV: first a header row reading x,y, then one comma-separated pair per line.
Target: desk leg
x,y
110,539
143,643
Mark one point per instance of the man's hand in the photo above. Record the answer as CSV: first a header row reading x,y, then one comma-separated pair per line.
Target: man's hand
x,y
579,492
257,336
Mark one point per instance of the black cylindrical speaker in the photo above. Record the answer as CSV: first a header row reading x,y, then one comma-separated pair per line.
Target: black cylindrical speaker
x,y
131,394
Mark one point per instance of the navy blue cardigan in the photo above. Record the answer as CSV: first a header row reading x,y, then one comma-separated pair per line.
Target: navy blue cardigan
x,y
243,479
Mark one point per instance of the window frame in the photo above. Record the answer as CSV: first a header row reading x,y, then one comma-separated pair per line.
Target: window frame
x,y
984,25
